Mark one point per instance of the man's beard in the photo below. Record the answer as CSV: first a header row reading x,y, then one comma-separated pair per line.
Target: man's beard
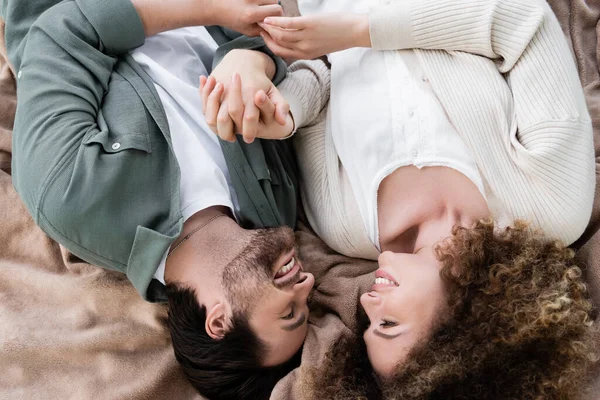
x,y
249,276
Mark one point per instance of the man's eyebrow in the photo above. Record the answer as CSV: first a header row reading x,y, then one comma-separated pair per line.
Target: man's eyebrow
x,y
386,336
297,324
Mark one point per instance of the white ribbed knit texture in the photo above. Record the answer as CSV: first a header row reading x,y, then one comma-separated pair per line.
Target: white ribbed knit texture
x,y
529,129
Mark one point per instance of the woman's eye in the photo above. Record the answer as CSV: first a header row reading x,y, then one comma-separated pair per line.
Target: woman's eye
x,y
290,315
387,323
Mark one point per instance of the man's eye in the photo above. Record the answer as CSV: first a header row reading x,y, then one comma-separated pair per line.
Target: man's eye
x,y
289,316
387,323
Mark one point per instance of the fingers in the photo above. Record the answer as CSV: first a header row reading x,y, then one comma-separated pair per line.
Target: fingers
x,y
251,119
278,49
235,100
225,124
282,36
206,89
266,11
282,107
287,22
213,104
265,106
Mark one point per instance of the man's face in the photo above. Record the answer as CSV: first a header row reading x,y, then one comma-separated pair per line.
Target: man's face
x,y
266,284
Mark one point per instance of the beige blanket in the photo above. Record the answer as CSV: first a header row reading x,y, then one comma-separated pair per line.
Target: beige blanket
x,y
69,330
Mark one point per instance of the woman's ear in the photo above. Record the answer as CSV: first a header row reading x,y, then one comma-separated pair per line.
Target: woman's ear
x,y
216,322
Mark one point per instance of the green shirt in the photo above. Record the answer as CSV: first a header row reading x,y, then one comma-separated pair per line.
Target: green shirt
x,y
92,156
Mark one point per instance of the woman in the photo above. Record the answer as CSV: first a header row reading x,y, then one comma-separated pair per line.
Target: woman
x,y
478,117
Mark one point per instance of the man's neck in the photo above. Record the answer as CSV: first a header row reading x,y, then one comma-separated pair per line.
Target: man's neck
x,y
202,217
209,240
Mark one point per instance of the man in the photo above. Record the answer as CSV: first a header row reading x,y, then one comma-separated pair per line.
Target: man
x,y
118,168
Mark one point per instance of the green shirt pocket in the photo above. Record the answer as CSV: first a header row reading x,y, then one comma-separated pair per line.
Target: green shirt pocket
x,y
122,120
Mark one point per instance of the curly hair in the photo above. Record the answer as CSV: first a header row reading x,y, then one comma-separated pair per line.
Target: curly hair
x,y
520,327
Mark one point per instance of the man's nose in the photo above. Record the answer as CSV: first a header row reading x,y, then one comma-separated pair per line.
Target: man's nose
x,y
306,282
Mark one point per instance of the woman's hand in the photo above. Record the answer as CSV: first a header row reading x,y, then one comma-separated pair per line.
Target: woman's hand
x,y
313,36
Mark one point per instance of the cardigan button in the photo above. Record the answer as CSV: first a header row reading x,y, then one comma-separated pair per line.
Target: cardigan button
x,y
116,146
20,74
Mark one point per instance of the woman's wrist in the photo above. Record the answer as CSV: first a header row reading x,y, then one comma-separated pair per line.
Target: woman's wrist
x,y
361,36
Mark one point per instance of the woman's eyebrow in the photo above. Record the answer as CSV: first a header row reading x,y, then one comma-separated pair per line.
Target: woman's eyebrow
x,y
386,336
295,325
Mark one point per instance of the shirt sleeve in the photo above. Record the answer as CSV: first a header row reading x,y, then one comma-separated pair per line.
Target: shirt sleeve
x,y
64,57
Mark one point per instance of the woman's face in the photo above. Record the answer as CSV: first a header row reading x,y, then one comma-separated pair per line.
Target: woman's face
x,y
402,305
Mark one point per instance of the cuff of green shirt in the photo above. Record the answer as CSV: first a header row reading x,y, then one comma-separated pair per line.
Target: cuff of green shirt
x,y
117,22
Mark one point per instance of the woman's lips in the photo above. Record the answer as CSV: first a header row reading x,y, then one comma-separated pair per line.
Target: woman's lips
x,y
383,280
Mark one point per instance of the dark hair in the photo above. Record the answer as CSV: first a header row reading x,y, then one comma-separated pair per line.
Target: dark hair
x,y
519,327
229,368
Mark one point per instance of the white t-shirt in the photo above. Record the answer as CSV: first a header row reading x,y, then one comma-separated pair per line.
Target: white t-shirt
x,y
384,115
174,60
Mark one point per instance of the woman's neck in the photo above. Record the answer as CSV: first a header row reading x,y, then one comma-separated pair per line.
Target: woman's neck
x,y
419,207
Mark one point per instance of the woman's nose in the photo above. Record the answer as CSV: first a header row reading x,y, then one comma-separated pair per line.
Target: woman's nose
x,y
369,300
385,258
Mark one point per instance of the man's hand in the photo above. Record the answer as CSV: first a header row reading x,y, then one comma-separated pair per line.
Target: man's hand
x,y
225,116
239,15
313,36
244,15
249,73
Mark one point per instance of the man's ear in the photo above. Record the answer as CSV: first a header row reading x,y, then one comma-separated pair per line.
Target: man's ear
x,y
216,322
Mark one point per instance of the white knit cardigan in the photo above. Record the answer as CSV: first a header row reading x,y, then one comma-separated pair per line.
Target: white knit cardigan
x,y
505,75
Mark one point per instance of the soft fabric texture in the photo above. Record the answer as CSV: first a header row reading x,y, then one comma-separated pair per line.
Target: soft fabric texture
x,y
58,339
516,102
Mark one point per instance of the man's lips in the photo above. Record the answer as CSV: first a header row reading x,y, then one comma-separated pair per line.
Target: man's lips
x,y
291,277
283,261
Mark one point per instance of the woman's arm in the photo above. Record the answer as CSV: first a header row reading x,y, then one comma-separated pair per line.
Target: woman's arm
x,y
553,140
306,89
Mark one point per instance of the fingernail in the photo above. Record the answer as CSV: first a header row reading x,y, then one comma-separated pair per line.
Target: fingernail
x,y
218,87
263,97
234,77
268,20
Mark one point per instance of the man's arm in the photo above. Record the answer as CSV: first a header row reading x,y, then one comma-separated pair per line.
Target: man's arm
x,y
65,54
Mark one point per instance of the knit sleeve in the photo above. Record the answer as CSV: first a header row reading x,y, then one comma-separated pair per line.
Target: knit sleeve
x,y
306,88
551,139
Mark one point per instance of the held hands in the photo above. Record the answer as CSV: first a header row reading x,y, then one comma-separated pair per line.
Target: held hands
x,y
243,15
239,15
313,36
240,97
